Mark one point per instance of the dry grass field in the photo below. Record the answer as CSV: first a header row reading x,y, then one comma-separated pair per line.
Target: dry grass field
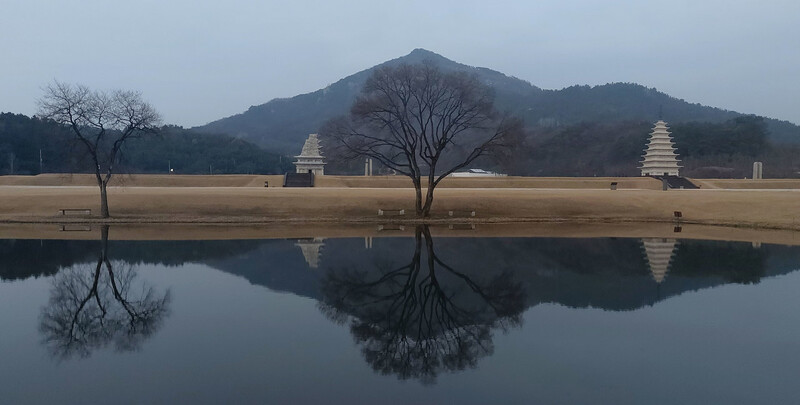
x,y
337,199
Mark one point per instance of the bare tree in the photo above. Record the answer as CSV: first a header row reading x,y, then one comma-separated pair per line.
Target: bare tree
x,y
424,316
101,121
90,308
423,123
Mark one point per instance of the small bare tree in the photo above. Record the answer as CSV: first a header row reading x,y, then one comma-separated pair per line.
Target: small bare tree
x,y
101,121
423,123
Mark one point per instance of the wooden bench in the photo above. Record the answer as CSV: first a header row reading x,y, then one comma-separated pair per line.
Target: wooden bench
x,y
391,212
467,213
461,227
75,211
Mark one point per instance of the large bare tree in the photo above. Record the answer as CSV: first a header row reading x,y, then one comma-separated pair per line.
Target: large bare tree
x,y
423,123
100,121
90,308
424,316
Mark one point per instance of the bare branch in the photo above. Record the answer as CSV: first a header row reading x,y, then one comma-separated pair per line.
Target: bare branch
x,y
100,121
415,118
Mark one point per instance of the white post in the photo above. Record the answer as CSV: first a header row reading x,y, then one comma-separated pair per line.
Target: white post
x,y
370,166
758,173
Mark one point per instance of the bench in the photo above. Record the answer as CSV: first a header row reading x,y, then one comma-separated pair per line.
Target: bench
x,y
461,227
75,228
461,213
391,212
75,211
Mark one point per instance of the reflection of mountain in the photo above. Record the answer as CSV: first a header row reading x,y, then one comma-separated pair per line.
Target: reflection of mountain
x,y
22,258
604,273
611,273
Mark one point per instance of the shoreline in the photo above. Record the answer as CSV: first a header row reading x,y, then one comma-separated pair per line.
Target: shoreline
x,y
293,230
178,200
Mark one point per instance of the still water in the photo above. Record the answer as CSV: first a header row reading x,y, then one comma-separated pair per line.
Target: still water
x,y
399,320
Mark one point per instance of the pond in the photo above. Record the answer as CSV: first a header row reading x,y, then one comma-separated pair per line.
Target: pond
x,y
407,319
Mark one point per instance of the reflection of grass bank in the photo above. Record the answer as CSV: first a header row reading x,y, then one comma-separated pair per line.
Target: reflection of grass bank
x,y
778,209
289,230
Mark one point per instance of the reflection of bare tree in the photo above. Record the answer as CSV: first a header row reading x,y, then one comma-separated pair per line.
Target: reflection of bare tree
x,y
414,321
91,307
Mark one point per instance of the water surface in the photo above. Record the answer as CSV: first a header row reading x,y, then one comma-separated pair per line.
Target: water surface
x,y
399,320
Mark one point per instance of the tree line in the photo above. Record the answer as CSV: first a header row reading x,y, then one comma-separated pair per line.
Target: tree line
x,y
187,152
711,150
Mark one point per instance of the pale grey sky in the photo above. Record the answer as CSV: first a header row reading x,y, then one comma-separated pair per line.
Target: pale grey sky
x,y
197,61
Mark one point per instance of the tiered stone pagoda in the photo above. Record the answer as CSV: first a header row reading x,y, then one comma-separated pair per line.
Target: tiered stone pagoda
x,y
310,159
659,256
659,157
311,250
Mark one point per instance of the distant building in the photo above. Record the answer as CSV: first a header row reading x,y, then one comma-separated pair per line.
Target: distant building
x,y
477,173
660,158
310,159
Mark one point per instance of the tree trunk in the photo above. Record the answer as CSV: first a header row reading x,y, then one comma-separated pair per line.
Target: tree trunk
x,y
426,209
103,201
418,190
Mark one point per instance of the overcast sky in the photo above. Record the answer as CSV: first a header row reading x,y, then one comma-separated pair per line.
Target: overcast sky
x,y
197,61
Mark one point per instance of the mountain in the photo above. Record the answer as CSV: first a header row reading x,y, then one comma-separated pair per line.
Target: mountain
x,y
283,124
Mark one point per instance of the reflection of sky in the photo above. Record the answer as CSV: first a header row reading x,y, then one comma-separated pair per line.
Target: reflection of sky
x,y
229,341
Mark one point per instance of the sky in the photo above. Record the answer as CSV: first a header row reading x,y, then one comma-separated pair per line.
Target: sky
x,y
197,61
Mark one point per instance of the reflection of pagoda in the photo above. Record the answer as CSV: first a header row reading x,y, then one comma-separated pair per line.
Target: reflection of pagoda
x,y
310,159
659,255
660,158
311,249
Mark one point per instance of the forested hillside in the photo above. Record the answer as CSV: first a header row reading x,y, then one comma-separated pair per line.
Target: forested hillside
x,y
283,124
22,138
719,150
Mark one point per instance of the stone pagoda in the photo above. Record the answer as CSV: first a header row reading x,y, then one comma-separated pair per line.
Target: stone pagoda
x,y
311,250
659,256
310,159
659,157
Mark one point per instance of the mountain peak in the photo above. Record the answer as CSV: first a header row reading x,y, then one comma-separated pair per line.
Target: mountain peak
x,y
417,52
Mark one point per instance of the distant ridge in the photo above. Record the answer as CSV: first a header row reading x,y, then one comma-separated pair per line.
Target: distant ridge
x,y
283,124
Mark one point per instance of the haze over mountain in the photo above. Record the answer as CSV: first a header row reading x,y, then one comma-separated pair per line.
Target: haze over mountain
x,y
283,124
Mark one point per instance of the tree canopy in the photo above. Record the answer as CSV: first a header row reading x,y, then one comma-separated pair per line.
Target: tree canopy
x,y
422,123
